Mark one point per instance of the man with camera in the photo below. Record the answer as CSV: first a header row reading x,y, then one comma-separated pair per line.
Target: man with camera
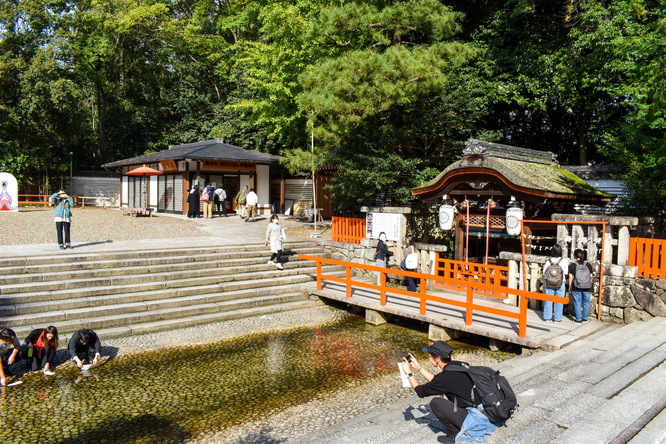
x,y
452,389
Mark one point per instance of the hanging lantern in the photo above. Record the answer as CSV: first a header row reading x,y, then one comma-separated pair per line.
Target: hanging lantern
x,y
446,213
514,214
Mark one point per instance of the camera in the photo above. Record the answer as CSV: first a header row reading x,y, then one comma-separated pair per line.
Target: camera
x,y
408,358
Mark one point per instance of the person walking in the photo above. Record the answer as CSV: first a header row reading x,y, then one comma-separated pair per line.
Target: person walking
x,y
382,255
274,236
580,285
193,203
240,200
554,283
63,217
411,261
207,198
251,201
219,198
42,345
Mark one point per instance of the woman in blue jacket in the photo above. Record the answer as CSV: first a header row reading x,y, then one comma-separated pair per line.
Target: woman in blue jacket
x,y
63,216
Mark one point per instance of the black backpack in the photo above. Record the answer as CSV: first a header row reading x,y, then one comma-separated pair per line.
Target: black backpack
x,y
490,389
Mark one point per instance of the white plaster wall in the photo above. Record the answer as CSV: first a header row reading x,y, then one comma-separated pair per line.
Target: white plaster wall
x,y
124,191
152,186
263,186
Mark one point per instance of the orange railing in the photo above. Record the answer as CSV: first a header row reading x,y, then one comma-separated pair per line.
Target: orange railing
x,y
649,255
470,288
458,272
348,229
42,199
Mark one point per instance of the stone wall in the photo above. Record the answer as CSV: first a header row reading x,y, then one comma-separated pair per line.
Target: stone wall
x,y
627,298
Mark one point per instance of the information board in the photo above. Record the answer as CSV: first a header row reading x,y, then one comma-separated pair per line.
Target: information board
x,y
391,224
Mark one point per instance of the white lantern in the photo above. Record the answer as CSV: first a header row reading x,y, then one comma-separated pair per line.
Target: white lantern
x,y
447,213
514,214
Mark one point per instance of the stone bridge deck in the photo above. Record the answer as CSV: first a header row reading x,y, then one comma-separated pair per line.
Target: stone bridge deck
x,y
540,333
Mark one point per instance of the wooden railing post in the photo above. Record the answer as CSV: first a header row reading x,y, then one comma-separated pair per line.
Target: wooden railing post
x,y
348,282
382,288
522,320
468,306
320,284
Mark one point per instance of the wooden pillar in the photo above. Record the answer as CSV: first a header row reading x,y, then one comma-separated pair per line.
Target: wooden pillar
x,y
460,238
282,190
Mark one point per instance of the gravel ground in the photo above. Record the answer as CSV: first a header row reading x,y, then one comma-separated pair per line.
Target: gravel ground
x,y
92,224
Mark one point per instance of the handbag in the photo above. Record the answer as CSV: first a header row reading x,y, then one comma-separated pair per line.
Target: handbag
x,y
204,197
412,261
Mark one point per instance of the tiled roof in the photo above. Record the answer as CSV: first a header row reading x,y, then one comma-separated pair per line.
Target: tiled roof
x,y
206,150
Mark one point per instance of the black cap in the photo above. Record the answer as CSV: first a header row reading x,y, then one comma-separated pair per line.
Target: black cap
x,y
438,348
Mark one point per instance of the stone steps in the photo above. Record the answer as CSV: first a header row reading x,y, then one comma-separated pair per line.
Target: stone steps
x,y
136,291
603,388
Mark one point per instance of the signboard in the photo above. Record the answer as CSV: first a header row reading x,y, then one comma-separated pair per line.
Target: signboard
x,y
8,193
389,223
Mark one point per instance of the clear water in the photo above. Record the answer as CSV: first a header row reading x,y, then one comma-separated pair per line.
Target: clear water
x,y
177,393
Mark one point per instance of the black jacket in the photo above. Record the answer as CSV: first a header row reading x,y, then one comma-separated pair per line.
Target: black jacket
x,y
382,251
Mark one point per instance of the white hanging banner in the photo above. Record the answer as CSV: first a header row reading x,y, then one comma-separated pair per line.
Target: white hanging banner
x,y
8,193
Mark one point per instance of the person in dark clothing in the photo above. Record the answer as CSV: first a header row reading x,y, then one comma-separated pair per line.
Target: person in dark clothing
x,y
581,296
193,203
382,254
9,352
85,346
42,345
452,389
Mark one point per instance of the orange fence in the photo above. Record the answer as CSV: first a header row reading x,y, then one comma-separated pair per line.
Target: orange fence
x,y
649,255
458,272
348,229
29,199
471,289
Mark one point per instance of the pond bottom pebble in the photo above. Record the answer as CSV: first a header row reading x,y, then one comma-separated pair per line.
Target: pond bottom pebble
x,y
182,394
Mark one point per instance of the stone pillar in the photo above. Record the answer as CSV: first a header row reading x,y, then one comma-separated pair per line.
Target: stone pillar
x,y
438,333
376,317
592,236
512,282
608,246
577,237
562,238
623,245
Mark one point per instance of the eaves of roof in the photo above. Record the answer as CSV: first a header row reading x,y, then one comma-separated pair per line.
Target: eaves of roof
x,y
205,150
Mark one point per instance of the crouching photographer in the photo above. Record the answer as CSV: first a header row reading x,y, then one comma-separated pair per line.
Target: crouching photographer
x,y
453,390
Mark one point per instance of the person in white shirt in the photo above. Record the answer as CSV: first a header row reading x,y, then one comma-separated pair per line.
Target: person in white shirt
x,y
219,199
251,202
552,310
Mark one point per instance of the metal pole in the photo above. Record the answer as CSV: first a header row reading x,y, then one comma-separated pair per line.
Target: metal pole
x,y
71,154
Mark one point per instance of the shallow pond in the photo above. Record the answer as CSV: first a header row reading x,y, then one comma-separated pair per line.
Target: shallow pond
x,y
170,395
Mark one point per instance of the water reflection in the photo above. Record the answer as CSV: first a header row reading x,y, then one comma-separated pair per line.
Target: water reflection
x,y
172,394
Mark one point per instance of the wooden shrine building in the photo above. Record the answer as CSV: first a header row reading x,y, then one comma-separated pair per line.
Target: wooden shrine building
x,y
489,179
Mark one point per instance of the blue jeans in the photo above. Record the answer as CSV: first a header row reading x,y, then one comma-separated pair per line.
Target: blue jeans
x,y
548,306
581,297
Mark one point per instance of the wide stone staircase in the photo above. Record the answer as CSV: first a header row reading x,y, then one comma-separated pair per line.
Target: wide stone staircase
x,y
129,292
608,387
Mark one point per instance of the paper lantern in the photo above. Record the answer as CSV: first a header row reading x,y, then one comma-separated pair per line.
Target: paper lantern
x,y
514,214
447,213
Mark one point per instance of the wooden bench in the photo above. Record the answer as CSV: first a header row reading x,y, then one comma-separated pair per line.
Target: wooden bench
x,y
137,211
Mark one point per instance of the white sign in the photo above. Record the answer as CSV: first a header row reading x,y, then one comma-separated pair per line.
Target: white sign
x,y
389,223
8,193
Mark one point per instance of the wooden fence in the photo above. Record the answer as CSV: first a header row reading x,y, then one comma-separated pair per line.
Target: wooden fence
x,y
457,273
348,229
649,255
470,288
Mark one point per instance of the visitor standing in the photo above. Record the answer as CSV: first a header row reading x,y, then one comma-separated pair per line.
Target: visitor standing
x,y
63,216
85,346
382,254
580,285
251,201
193,203
274,236
411,261
220,199
554,283
41,346
9,350
240,199
207,198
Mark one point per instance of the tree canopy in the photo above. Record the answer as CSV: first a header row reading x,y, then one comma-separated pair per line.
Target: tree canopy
x,y
390,89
